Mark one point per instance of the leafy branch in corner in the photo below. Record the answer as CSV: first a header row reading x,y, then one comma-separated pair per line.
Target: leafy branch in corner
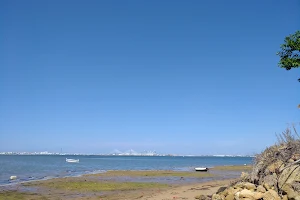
x,y
290,52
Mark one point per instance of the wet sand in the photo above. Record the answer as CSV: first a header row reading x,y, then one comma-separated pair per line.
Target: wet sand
x,y
114,185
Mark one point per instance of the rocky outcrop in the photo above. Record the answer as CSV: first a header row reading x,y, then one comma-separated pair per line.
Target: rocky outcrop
x,y
275,174
243,191
282,184
248,191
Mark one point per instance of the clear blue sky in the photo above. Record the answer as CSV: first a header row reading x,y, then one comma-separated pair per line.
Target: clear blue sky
x,y
188,77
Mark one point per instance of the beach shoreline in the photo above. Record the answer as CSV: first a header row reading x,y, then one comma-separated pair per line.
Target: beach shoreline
x,y
129,184
189,191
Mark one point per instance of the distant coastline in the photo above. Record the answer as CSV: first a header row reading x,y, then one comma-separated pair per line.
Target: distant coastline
x,y
45,153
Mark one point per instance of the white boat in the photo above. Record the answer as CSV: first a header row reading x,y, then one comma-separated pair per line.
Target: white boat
x,y
201,169
72,160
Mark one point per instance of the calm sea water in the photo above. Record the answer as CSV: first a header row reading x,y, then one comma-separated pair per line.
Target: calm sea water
x,y
44,167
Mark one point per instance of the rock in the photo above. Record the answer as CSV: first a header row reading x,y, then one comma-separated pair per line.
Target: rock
x,y
261,189
236,196
13,177
290,192
285,197
221,189
246,194
225,192
270,180
202,197
296,186
287,181
275,166
258,195
232,190
255,172
267,186
229,197
289,175
275,175
238,185
271,195
296,156
245,176
249,186
218,197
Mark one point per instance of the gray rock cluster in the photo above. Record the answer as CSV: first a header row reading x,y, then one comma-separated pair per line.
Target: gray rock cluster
x,y
275,174
268,190
249,191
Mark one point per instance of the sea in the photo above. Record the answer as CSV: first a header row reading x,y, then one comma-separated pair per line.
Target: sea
x,y
42,167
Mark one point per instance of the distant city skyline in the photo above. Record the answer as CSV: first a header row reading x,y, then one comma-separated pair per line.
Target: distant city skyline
x,y
130,152
182,77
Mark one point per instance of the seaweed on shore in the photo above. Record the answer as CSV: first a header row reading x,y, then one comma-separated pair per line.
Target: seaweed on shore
x,y
16,195
95,186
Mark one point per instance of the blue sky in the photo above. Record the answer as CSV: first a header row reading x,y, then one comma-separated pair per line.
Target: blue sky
x,y
184,77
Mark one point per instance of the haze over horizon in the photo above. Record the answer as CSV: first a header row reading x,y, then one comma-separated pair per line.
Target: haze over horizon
x,y
181,77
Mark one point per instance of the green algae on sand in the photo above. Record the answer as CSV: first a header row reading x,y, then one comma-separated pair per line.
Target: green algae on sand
x,y
158,173
96,186
16,195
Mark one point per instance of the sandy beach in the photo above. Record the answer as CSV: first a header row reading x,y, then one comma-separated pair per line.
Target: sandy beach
x,y
113,185
188,192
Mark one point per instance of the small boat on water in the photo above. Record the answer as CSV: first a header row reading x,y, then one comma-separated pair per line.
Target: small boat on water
x,y
72,160
201,169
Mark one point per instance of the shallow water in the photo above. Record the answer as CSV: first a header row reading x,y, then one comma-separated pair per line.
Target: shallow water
x,y
28,168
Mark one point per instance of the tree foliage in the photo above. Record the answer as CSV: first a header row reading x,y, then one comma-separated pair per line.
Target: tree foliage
x,y
290,52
